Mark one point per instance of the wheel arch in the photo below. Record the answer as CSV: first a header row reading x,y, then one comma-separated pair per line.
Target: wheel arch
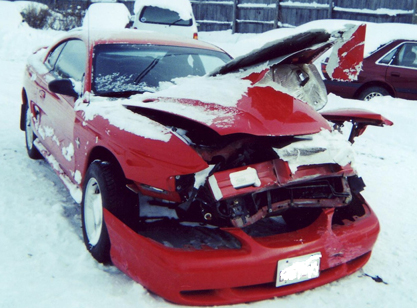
x,y
103,154
374,84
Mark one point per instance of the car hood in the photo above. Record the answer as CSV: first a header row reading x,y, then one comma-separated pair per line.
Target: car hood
x,y
237,98
257,110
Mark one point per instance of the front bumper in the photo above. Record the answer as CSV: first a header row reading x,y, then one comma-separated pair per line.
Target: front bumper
x,y
228,276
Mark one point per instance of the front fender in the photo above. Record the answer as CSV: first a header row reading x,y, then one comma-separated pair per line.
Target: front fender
x,y
145,156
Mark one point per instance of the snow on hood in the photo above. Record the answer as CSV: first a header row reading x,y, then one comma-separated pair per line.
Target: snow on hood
x,y
229,104
182,7
117,115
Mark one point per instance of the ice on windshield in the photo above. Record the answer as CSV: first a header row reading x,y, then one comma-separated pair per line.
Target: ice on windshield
x,y
122,68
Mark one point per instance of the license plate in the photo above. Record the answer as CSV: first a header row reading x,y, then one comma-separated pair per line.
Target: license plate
x,y
297,269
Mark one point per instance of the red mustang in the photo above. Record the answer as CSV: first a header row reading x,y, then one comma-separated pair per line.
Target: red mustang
x,y
208,180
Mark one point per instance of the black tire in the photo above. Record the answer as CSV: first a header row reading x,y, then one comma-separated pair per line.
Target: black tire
x,y
371,92
104,187
30,137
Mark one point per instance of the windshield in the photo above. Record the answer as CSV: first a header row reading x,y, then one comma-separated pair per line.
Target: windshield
x,y
125,69
157,15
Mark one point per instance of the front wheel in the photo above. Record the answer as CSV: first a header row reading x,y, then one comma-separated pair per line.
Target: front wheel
x,y
104,188
30,136
371,92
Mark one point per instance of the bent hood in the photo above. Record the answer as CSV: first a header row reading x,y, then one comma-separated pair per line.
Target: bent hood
x,y
238,99
230,105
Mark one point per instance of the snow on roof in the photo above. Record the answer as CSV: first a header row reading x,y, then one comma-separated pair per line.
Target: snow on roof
x,y
106,16
182,7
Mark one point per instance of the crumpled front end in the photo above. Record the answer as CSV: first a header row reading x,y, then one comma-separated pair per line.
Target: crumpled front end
x,y
246,263
275,210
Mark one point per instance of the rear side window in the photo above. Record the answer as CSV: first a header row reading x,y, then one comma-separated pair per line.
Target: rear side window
x,y
157,15
388,57
72,60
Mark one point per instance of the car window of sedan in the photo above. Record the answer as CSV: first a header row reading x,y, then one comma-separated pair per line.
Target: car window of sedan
x,y
406,56
388,57
71,61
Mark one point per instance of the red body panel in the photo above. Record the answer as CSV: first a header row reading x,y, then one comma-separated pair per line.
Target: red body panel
x,y
215,277
356,115
350,56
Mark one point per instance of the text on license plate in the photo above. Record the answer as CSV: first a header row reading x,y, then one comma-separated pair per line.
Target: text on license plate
x,y
297,269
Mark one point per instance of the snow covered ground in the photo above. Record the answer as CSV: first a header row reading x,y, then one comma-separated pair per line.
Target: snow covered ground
x,y
43,261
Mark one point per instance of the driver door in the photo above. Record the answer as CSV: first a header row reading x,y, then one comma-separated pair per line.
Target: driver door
x,y
67,60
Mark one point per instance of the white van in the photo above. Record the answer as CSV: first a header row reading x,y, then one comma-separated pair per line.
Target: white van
x,y
167,16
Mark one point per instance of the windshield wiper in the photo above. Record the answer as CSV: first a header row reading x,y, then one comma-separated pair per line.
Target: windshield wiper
x,y
146,70
173,23
122,93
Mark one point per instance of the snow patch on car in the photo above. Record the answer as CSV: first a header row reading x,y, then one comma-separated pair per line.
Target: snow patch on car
x,y
47,132
78,176
201,177
36,61
326,147
122,118
68,152
224,90
74,190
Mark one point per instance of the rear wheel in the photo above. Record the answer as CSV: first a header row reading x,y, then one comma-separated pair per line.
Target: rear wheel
x,y
30,136
104,188
371,92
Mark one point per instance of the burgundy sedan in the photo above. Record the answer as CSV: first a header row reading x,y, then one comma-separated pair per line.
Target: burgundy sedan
x,y
390,70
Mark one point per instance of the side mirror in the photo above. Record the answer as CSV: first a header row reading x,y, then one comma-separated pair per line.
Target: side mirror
x,y
63,86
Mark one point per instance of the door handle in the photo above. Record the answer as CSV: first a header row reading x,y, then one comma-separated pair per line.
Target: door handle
x,y
395,74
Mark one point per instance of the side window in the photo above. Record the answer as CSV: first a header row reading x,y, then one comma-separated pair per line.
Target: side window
x,y
388,57
406,56
72,60
53,56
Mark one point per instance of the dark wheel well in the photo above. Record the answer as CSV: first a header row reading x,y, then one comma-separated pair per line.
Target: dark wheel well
x,y
104,155
374,84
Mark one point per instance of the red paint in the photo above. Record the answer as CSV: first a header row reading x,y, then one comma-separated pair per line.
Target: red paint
x,y
350,56
246,274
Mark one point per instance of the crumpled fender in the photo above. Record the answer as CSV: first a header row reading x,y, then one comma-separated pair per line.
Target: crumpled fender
x,y
358,117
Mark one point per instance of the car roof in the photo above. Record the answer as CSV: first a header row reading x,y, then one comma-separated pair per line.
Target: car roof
x,y
134,36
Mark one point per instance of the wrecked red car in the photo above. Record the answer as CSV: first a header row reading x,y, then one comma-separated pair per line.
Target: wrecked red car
x,y
207,180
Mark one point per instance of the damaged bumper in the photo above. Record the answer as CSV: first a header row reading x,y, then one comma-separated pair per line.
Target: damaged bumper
x,y
246,271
